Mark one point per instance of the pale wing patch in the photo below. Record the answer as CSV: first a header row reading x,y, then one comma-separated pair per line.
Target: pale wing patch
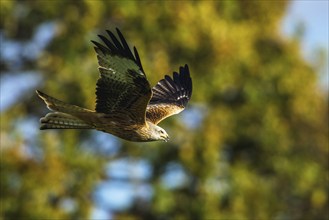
x,y
158,112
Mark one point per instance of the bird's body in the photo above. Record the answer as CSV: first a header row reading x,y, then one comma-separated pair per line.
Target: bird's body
x,y
126,106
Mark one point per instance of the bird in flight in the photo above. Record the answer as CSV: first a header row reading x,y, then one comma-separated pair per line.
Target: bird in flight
x,y
126,105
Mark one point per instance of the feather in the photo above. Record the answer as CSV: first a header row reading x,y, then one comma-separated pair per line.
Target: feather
x,y
126,106
170,95
57,105
58,120
122,86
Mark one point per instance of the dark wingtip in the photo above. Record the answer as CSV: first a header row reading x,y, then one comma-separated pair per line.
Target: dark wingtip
x,y
184,70
175,90
94,42
117,45
118,30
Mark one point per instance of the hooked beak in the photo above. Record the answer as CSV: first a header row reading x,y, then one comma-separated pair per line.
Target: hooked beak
x,y
166,138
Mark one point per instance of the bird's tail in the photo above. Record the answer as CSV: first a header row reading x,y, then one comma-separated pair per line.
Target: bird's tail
x,y
65,115
59,106
58,120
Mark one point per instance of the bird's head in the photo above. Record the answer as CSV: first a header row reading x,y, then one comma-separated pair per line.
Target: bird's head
x,y
163,135
159,134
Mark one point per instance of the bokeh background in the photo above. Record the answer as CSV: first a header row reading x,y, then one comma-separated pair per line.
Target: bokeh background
x,y
252,144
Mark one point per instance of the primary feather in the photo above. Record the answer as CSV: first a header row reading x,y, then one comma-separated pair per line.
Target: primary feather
x,y
170,95
122,86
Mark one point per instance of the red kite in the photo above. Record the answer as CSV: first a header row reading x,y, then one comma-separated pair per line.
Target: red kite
x,y
126,106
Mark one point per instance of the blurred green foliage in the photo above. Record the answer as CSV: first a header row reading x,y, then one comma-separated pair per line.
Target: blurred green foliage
x,y
260,152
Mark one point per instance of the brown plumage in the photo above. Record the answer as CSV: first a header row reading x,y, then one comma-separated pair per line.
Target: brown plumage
x,y
126,106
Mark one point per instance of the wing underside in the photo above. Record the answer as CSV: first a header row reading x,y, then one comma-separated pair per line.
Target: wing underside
x,y
170,96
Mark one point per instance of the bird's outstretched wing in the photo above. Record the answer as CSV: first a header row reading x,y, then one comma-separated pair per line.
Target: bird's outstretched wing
x,y
170,96
122,86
